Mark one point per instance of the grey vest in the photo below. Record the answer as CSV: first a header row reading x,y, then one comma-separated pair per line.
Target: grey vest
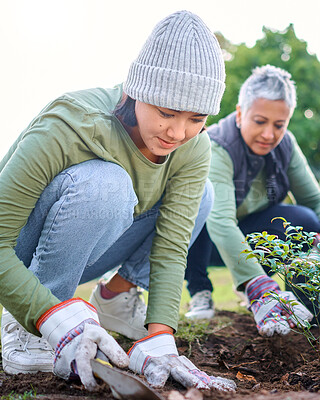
x,y
247,165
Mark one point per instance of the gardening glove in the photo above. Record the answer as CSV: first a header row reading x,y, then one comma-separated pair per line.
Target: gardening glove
x,y
316,242
156,356
72,328
274,311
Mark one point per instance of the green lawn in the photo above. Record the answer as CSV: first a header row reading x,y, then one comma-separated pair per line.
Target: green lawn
x,y
223,296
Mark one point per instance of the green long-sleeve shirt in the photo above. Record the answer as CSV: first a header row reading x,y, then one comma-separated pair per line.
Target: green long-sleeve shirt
x,y
81,126
222,224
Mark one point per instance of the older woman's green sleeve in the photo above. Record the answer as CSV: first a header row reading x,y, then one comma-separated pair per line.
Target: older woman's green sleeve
x,y
222,224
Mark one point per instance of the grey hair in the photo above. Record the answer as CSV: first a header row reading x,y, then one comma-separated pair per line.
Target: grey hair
x,y
270,83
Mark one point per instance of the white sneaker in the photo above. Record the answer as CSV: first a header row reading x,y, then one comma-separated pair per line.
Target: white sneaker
x,y
23,352
124,313
201,306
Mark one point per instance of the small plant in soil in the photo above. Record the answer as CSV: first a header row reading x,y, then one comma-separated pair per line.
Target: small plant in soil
x,y
296,256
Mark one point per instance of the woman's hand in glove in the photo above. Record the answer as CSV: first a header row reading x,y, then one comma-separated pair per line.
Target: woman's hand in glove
x,y
72,328
274,311
156,357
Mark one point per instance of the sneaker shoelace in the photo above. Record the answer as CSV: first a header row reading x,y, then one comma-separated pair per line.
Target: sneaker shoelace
x,y
136,303
201,301
25,340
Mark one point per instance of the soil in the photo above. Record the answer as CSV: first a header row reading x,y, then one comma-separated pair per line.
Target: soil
x,y
277,368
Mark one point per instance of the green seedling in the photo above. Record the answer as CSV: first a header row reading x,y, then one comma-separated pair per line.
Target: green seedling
x,y
294,257
32,394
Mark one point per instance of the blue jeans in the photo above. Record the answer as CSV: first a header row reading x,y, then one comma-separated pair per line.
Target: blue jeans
x,y
83,226
204,253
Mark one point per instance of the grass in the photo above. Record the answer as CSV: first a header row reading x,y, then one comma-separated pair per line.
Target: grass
x,y
15,396
223,296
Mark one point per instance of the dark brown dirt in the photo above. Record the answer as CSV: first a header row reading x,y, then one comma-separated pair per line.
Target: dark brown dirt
x,y
277,368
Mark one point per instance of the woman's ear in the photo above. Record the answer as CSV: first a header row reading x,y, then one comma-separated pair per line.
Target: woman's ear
x,y
238,116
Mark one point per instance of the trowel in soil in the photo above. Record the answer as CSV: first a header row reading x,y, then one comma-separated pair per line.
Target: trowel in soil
x,y
122,384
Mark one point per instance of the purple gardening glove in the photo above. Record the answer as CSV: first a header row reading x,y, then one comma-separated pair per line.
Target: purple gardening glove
x,y
271,315
156,356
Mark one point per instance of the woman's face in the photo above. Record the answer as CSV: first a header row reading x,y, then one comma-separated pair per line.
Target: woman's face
x,y
161,130
264,124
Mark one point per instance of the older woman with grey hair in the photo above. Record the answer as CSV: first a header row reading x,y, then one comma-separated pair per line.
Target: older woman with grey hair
x,y
255,162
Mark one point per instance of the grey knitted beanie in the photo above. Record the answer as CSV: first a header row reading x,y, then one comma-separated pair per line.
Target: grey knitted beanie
x,y
180,67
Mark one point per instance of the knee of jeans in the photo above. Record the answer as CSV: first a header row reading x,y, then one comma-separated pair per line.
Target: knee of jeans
x,y
103,186
207,198
305,217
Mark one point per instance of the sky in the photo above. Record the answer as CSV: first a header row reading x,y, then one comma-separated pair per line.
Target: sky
x,y
49,47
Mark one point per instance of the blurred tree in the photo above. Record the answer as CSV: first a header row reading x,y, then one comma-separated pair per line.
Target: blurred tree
x,y
282,49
